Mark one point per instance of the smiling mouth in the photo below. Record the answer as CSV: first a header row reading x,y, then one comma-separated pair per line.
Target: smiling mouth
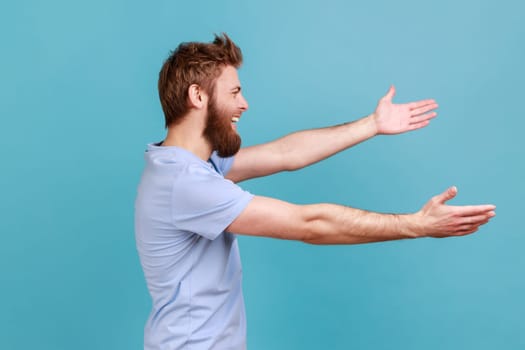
x,y
235,119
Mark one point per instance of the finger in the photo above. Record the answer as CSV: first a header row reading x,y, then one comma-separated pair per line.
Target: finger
x,y
477,220
470,210
422,103
450,193
390,94
418,125
423,109
458,232
466,232
422,118
470,227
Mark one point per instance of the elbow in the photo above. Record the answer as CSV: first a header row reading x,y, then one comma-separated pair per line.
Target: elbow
x,y
293,164
290,161
313,230
308,224
315,238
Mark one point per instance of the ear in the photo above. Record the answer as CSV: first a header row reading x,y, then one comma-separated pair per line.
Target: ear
x,y
197,98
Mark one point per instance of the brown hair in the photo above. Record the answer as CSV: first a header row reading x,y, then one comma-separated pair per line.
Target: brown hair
x,y
193,63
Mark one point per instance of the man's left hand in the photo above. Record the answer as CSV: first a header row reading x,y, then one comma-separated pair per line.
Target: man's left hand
x,y
393,118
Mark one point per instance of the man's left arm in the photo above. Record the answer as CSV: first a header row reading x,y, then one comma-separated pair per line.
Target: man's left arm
x,y
303,148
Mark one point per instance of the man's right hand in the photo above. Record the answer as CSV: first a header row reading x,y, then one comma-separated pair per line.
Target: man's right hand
x,y
437,219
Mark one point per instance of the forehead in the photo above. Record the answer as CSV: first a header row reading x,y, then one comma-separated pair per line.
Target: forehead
x,y
228,78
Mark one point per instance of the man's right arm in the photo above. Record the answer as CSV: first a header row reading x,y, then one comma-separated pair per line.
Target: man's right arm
x,y
335,224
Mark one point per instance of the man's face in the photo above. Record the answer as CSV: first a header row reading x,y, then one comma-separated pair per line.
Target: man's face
x,y
225,108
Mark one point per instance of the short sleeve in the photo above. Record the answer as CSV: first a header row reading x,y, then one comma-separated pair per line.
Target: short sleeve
x,y
223,165
205,203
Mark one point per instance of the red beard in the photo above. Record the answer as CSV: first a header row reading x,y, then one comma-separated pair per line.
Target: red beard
x,y
219,132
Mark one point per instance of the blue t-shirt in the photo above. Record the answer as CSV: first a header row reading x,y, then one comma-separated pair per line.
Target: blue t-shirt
x,y
192,267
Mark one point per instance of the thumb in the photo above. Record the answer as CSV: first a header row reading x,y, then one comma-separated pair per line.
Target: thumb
x,y
450,193
390,94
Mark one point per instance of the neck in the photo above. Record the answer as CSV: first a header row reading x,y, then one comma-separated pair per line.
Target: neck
x,y
189,135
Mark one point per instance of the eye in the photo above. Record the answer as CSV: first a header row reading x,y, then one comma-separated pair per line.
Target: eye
x,y
236,92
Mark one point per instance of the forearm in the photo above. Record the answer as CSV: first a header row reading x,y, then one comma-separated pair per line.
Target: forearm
x,y
299,149
335,224
306,147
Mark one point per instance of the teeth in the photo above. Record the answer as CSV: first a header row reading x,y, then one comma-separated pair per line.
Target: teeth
x,y
235,119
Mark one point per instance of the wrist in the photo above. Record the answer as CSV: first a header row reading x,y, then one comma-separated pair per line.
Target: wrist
x,y
372,124
412,225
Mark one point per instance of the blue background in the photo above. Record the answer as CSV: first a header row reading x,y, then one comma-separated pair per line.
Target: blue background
x,y
79,103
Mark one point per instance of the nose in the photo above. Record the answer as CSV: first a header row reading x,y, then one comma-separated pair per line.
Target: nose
x,y
243,104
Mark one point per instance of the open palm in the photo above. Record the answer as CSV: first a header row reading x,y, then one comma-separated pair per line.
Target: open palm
x,y
393,118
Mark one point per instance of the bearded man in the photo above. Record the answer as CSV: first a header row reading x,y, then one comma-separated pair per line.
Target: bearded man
x,y
189,207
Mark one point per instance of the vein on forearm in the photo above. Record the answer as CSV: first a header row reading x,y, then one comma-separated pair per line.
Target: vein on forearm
x,y
335,224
